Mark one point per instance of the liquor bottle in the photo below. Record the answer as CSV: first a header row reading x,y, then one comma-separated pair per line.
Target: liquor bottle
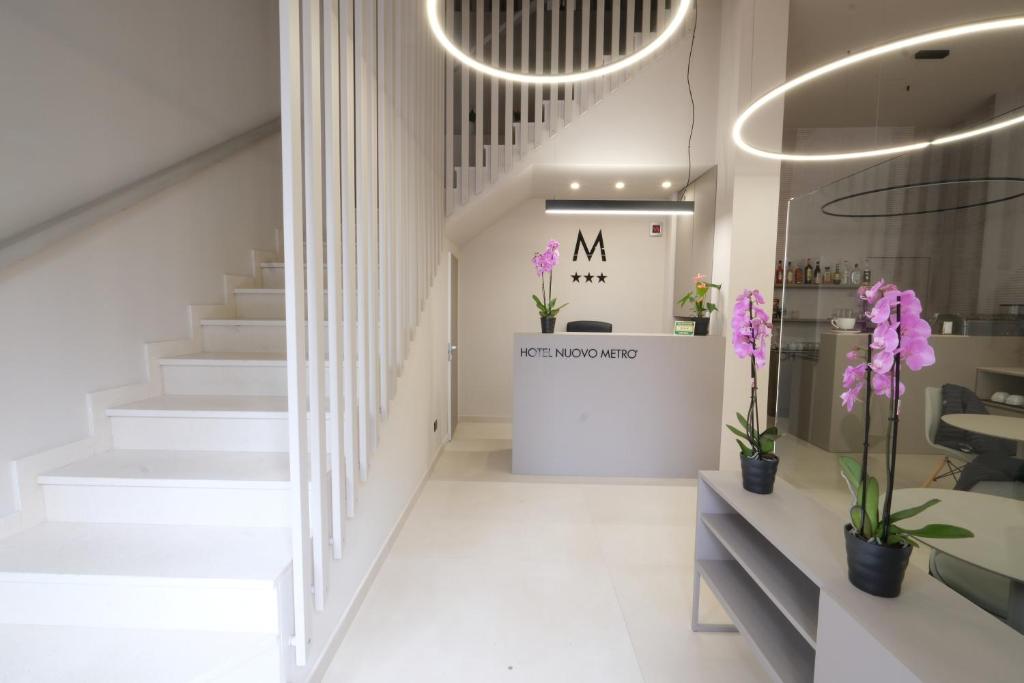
x,y
789,272
827,278
867,273
778,273
809,273
844,278
855,274
798,275
817,272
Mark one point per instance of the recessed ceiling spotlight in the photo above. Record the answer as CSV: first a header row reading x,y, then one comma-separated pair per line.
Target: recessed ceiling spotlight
x,y
665,184
895,46
434,19
620,185
574,185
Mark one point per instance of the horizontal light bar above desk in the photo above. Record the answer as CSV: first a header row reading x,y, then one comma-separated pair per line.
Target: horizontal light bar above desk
x,y
618,207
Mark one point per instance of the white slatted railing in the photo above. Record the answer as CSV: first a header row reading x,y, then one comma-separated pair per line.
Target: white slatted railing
x,y
492,124
362,98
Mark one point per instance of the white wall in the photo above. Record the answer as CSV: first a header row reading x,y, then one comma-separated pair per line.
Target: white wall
x,y
77,314
98,93
497,279
398,467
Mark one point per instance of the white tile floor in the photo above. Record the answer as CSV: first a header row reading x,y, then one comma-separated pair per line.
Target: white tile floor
x,y
503,578
498,577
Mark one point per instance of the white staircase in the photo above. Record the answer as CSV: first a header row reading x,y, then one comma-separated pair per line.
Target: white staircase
x,y
174,543
494,125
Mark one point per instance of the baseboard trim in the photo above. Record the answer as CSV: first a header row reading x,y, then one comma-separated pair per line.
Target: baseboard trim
x,y
319,668
484,418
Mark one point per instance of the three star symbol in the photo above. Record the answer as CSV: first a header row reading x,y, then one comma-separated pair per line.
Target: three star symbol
x,y
589,277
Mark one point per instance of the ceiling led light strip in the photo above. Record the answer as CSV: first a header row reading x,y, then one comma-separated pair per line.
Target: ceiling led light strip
x,y
943,34
617,207
554,79
829,208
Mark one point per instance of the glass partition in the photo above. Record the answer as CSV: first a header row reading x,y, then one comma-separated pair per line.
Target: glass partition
x,y
947,222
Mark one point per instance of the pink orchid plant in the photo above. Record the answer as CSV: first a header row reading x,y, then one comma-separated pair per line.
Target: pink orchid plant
x,y
751,338
544,262
900,336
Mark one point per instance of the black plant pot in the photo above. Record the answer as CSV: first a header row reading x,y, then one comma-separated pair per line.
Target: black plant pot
x,y
547,325
874,568
701,327
759,475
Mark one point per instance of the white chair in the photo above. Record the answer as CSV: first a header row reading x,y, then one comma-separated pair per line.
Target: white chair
x,y
953,460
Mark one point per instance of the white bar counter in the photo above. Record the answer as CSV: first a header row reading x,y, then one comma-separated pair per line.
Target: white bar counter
x,y
616,405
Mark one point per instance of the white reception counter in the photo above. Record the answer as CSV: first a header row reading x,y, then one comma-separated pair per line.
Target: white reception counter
x,y
617,405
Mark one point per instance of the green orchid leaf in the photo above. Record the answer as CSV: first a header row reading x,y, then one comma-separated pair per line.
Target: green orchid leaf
x,y
767,445
738,432
938,531
855,518
850,469
743,421
773,430
871,501
744,449
910,512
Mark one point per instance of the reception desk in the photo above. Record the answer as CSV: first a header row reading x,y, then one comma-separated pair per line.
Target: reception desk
x,y
616,405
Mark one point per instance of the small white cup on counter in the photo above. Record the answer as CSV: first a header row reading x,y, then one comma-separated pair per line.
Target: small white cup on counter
x,y
845,324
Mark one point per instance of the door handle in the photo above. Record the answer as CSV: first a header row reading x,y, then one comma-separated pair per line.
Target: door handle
x,y
452,348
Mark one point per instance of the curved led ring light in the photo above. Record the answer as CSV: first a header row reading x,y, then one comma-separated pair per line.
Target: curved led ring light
x,y
956,31
909,186
554,79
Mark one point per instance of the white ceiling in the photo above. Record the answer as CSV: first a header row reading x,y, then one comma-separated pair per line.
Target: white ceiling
x,y
898,90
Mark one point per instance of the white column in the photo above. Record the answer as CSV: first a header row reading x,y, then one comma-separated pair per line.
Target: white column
x,y
752,60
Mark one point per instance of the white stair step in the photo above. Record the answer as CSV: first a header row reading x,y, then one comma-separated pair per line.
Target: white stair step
x,y
263,304
202,423
226,373
118,655
243,335
171,487
143,576
272,275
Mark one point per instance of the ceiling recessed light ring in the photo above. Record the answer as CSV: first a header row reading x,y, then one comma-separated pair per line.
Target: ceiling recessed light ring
x,y
850,60
555,79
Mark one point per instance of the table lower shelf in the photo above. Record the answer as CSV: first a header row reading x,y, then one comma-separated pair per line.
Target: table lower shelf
x,y
786,653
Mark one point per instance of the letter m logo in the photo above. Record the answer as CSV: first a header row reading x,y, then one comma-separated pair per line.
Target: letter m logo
x,y
589,251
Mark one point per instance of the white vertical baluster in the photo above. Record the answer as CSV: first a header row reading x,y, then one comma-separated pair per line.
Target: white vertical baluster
x,y
349,369
291,180
464,167
616,27
383,138
647,20
373,290
571,89
313,162
449,111
524,90
510,15
586,87
478,111
600,84
630,37
554,106
366,408
332,222
538,91
493,85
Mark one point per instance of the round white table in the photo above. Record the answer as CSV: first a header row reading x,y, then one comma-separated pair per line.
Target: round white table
x,y
991,425
998,526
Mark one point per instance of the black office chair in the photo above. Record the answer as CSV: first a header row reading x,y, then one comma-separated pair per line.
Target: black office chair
x,y
588,326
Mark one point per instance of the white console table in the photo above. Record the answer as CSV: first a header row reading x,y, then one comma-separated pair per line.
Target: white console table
x,y
777,563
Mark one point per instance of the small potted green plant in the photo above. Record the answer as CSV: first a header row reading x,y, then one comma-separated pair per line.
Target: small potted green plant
x,y
751,338
878,542
544,263
698,298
